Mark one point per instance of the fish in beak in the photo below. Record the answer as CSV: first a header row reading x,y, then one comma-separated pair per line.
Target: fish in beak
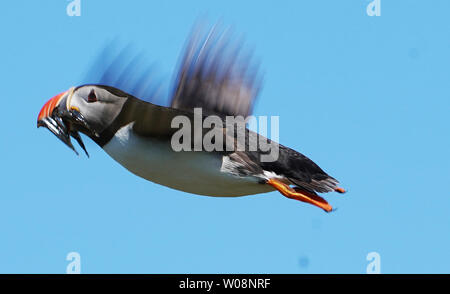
x,y
63,120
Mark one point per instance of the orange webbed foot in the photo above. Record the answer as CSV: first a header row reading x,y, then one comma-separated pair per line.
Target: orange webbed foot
x,y
300,194
340,190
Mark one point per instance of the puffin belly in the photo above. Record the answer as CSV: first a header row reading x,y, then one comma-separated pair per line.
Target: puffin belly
x,y
197,172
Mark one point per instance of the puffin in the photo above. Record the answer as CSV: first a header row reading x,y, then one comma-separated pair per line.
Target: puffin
x,y
216,84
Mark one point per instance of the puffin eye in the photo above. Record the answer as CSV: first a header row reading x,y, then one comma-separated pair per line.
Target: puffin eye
x,y
92,97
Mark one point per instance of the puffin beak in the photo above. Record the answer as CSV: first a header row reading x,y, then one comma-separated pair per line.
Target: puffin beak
x,y
59,119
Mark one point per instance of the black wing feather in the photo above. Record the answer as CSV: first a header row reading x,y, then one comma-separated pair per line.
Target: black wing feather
x,y
216,76
298,169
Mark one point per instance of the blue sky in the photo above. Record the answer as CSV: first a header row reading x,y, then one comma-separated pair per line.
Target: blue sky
x,y
367,98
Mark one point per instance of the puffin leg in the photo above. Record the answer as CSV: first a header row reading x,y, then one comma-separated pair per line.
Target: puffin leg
x,y
299,194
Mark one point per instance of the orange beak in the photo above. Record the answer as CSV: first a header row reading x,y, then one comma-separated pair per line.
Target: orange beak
x,y
62,120
47,109
58,122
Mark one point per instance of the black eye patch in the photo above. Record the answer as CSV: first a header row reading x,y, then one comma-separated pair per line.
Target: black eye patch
x,y
92,97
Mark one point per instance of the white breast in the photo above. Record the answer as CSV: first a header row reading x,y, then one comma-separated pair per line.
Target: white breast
x,y
203,173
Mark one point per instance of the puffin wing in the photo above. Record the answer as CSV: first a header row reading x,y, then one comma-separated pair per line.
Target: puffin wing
x,y
287,164
123,67
216,75
300,171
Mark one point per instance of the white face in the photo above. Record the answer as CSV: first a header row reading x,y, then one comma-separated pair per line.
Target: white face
x,y
97,105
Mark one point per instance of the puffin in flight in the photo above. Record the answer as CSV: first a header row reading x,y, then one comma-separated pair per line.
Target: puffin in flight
x,y
217,79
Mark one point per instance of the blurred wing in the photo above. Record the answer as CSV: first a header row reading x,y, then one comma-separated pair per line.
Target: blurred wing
x,y
122,67
216,75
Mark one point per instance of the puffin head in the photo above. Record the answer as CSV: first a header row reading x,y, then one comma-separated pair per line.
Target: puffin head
x,y
88,109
